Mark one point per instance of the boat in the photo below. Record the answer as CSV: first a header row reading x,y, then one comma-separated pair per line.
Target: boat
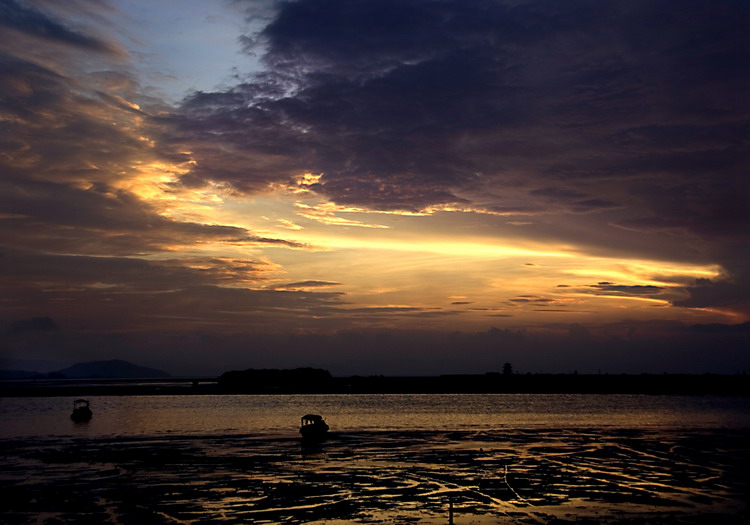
x,y
313,427
81,411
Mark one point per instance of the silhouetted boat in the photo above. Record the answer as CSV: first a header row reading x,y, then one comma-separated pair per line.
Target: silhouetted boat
x,y
313,427
81,411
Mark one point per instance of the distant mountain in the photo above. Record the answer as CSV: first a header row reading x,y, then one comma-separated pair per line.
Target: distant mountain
x,y
114,369
31,366
17,374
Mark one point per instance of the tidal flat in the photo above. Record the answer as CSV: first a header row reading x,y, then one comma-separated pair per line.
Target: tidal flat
x,y
529,476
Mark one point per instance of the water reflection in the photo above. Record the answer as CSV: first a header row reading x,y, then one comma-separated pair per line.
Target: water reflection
x,y
520,476
219,415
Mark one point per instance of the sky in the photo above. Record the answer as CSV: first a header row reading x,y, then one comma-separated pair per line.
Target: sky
x,y
399,187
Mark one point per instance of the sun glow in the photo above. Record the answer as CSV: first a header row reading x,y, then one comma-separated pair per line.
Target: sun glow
x,y
648,272
158,184
452,249
408,267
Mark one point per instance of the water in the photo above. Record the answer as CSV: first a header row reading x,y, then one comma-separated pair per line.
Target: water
x,y
142,416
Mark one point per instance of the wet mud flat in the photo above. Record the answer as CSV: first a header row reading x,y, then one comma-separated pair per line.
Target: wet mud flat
x,y
589,476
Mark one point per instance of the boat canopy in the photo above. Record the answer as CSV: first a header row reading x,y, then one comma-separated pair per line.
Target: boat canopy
x,y
310,419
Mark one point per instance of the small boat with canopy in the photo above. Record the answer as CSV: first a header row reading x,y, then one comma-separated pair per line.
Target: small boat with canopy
x,y
313,427
81,411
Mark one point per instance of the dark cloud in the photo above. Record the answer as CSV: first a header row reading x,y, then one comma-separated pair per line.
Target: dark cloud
x,y
55,130
20,16
531,300
384,310
607,288
721,328
400,104
712,207
559,310
100,220
730,291
558,193
123,293
572,200
306,284
40,324
593,205
124,273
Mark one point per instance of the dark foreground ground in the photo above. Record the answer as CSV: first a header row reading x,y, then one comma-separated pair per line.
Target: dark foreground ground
x,y
588,476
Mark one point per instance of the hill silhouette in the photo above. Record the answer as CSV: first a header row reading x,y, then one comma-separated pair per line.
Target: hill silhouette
x,y
113,369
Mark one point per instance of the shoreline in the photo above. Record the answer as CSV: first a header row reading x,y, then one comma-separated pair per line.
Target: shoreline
x,y
491,383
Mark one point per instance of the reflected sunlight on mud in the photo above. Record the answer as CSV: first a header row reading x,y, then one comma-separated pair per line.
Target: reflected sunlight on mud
x,y
531,476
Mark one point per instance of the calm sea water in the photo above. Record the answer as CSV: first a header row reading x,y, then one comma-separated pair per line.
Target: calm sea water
x,y
280,414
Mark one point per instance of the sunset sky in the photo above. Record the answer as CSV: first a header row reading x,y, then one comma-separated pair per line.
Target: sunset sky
x,y
376,186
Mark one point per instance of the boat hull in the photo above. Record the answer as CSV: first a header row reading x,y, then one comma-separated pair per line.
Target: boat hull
x,y
314,432
81,415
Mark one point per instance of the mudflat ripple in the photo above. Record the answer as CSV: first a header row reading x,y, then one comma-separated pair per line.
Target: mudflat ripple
x,y
590,476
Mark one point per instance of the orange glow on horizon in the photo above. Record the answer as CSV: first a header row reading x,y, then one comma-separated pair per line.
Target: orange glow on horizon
x,y
397,268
